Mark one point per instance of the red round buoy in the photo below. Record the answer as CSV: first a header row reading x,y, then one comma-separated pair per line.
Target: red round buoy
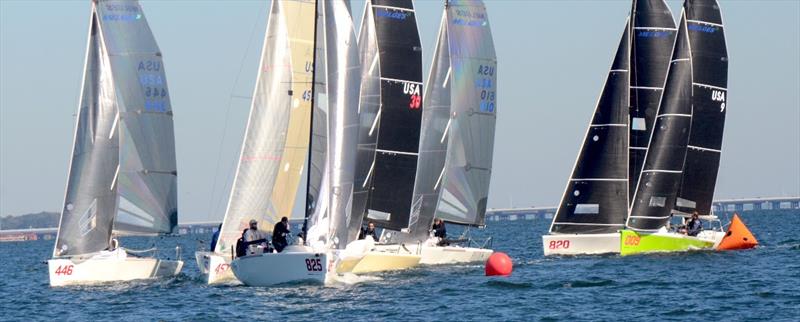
x,y
499,264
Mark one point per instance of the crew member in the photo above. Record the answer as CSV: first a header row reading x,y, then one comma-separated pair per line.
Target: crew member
x,y
439,231
279,234
369,230
694,226
254,237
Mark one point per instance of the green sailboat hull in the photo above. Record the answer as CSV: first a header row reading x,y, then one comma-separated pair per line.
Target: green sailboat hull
x,y
632,243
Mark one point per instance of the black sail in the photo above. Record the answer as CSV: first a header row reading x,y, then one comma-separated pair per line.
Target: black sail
x,y
595,200
710,72
397,122
661,175
653,36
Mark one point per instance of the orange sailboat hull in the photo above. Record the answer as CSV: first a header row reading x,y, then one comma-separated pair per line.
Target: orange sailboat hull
x,y
738,236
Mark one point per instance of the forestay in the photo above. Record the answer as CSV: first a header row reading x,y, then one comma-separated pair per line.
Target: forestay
x,y
390,114
122,173
276,139
596,197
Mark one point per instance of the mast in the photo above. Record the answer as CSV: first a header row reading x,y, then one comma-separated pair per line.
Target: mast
x,y
595,198
706,34
658,184
311,128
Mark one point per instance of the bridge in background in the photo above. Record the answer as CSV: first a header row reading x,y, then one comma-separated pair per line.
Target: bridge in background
x,y
723,207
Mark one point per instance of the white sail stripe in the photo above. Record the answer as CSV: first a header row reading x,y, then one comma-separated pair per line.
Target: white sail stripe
x,y
674,114
637,148
446,130
618,71
439,180
400,80
608,124
710,86
655,28
447,77
598,179
113,127
396,152
586,224
646,87
680,59
391,7
703,149
114,181
663,171
373,64
646,217
375,122
705,23
369,174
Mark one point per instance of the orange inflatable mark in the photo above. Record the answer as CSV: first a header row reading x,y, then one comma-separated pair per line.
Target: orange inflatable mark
x,y
738,236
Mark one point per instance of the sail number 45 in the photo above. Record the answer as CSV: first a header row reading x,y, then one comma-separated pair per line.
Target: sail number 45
x,y
64,270
313,265
558,244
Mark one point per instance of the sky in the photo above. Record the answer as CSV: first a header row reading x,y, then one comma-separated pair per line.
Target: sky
x,y
553,57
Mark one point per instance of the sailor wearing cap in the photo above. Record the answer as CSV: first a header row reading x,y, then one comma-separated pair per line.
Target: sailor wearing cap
x,y
254,238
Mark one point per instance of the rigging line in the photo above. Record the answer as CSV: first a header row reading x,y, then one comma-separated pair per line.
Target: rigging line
x,y
228,114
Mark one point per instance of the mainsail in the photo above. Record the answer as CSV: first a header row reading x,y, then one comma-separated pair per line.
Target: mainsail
x,y
471,84
661,175
596,197
710,90
276,139
390,114
122,176
329,221
652,37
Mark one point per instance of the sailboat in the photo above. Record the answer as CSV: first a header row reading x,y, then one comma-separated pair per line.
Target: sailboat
x,y
594,205
390,112
330,54
276,140
457,140
122,174
681,164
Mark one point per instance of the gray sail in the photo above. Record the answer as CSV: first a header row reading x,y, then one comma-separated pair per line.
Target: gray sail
x,y
472,79
342,83
657,189
595,200
433,141
91,197
710,73
147,178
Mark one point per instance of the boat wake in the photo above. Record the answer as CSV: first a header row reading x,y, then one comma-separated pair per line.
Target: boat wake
x,y
348,279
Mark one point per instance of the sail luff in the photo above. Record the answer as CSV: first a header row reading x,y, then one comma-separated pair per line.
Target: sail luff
x,y
658,184
710,69
595,197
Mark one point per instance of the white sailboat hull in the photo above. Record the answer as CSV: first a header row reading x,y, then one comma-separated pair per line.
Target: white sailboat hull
x,y
65,272
581,244
430,254
362,256
295,264
216,267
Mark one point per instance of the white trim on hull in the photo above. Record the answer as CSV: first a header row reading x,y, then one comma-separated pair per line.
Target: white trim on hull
x,y
295,264
103,269
216,267
441,255
580,244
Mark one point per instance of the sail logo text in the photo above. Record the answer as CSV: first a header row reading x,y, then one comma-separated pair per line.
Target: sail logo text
x,y
719,96
385,13
149,65
413,90
653,34
703,28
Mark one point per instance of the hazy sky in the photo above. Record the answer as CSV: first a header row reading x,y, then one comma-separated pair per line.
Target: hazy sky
x,y
553,57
